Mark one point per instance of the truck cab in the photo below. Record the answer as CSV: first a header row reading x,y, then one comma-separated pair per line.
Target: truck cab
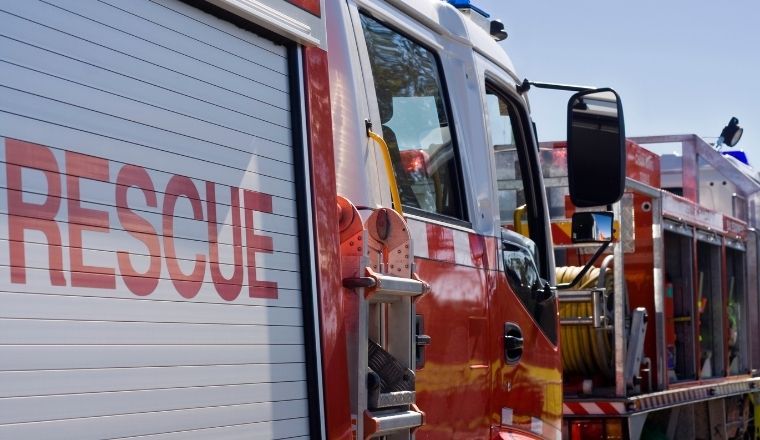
x,y
433,83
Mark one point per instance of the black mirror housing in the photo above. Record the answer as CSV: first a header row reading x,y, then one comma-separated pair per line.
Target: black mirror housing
x,y
595,148
592,227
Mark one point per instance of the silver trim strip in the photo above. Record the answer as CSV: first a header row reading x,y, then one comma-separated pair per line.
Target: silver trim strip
x,y
619,310
270,18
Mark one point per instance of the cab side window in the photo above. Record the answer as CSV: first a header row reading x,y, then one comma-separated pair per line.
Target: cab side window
x,y
415,121
520,212
508,176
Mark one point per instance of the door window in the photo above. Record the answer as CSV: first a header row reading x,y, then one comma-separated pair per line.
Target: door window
x,y
508,177
520,211
415,121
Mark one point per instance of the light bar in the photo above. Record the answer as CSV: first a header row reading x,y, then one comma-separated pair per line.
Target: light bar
x,y
466,4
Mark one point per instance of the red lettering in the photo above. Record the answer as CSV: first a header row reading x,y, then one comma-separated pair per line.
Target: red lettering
x,y
187,285
23,215
86,219
138,283
228,289
256,201
40,217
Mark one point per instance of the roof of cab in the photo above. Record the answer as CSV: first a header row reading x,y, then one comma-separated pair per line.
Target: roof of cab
x,y
445,19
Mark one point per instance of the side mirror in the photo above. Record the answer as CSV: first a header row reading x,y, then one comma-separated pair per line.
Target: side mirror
x,y
595,148
592,227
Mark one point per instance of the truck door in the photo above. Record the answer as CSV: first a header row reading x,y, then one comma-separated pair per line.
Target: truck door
x,y
527,389
408,83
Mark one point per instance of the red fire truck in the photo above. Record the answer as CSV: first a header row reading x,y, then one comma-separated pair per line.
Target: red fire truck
x,y
278,219
659,339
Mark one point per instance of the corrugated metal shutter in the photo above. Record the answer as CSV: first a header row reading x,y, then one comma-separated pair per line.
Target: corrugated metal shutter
x,y
131,134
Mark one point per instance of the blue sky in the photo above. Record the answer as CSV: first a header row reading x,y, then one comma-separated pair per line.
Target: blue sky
x,y
679,66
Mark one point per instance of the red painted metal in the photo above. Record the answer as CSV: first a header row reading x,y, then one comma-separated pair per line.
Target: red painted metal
x,y
453,386
465,376
560,233
440,243
333,333
532,387
308,5
642,165
639,276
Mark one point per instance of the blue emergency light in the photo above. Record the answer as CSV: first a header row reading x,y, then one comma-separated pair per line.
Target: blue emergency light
x,y
494,27
466,4
739,155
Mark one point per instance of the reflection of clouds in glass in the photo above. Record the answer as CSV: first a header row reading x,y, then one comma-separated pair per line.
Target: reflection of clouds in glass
x,y
415,122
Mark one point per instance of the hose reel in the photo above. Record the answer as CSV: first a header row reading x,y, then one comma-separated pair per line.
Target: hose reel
x,y
586,318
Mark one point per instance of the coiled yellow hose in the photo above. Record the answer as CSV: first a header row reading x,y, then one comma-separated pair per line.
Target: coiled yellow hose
x,y
585,350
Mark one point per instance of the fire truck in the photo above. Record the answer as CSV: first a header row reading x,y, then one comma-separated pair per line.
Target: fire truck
x,y
660,335
281,219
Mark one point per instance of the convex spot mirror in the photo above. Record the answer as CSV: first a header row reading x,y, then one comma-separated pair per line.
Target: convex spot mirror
x,y
592,227
595,148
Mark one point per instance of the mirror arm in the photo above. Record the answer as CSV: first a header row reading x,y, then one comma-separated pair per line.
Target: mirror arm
x,y
526,85
586,268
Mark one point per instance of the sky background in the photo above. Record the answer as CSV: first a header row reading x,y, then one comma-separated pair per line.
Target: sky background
x,y
679,66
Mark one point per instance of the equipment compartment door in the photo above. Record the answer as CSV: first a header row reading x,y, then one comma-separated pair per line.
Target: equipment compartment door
x,y
150,259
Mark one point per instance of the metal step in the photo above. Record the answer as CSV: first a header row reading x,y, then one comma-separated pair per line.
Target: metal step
x,y
384,422
394,398
381,288
390,288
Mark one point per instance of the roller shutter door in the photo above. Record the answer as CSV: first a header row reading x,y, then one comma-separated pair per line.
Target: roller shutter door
x,y
149,250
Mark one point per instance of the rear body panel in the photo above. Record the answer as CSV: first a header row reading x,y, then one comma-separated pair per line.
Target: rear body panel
x,y
157,275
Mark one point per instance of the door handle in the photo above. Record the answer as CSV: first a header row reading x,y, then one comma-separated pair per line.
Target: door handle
x,y
513,343
421,341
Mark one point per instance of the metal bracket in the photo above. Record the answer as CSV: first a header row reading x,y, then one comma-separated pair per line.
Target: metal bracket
x,y
598,299
526,84
635,348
